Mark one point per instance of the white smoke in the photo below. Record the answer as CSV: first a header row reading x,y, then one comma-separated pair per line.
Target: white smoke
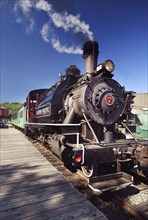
x,y
64,49
25,6
31,25
67,22
71,22
44,32
43,5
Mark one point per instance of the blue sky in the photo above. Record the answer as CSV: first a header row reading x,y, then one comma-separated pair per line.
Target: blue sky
x,y
41,38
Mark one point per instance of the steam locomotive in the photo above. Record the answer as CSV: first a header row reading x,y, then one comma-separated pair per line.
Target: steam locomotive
x,y
83,118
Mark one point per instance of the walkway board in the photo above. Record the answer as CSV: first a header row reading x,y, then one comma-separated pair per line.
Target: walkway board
x,y
32,189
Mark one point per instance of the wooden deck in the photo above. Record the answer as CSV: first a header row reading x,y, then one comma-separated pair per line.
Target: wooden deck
x,y
32,189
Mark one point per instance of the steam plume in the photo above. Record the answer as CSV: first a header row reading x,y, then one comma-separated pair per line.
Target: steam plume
x,y
67,22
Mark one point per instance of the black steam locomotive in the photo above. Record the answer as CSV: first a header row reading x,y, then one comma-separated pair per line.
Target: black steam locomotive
x,y
83,118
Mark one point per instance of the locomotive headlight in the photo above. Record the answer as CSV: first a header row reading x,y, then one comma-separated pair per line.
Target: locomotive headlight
x,y
109,65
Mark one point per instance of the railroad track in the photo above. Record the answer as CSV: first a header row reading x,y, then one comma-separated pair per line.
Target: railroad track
x,y
134,200
131,203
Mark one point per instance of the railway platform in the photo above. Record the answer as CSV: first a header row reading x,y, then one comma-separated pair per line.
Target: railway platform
x,y
32,189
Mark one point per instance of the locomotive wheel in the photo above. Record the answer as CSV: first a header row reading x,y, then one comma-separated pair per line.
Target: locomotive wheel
x,y
87,170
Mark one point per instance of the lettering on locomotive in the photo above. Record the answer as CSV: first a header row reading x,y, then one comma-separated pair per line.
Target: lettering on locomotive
x,y
44,111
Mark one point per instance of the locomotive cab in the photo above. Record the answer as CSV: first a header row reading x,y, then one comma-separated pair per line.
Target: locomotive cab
x,y
31,103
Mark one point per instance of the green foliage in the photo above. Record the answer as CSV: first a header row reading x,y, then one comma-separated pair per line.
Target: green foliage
x,y
12,108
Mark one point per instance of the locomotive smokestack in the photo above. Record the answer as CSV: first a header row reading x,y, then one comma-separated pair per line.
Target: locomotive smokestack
x,y
90,55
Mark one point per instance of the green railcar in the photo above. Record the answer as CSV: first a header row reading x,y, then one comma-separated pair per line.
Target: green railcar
x,y
142,125
20,119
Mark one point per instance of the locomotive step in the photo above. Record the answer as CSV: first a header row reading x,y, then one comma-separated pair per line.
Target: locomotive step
x,y
110,182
